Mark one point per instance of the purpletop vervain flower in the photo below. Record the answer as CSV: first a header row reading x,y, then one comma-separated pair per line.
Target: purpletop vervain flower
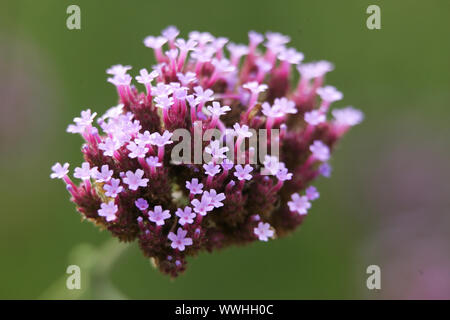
x,y
198,84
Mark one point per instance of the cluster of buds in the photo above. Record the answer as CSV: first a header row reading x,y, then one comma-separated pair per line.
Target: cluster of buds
x,y
139,184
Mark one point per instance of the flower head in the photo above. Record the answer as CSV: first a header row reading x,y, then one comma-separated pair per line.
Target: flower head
x,y
218,100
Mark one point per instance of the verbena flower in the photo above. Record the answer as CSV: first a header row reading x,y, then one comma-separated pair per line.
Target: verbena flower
x,y
131,185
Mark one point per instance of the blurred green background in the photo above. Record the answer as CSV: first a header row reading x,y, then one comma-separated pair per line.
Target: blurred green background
x,y
387,202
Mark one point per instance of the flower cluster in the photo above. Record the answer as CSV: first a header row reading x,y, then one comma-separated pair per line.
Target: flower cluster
x,y
130,184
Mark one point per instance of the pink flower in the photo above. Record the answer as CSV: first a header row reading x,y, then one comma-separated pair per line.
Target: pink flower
x,y
135,180
320,150
299,204
314,117
194,187
263,231
158,215
179,240
108,211
243,173
59,171
215,198
312,193
141,204
85,172
329,94
186,215
204,206
104,175
211,169
113,188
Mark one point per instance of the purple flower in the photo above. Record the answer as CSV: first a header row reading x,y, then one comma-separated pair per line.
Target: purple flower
x,y
194,187
216,151
104,175
137,151
118,69
272,112
227,164
242,131
108,211
109,146
153,162
330,94
161,140
186,215
312,193
154,42
254,87
271,165
59,171
291,55
187,78
285,105
216,199
203,95
283,174
113,188
320,150
314,69
85,172
143,138
179,240
135,180
348,116
263,231
314,117
243,173
145,77
164,102
299,204
217,110
141,204
158,215
211,169
201,86
170,33
203,206
325,170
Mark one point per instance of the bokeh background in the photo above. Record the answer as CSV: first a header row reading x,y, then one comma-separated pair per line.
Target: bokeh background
x,y
387,203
